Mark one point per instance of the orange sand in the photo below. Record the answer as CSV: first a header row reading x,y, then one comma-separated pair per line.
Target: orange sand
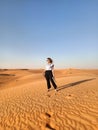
x,y
25,103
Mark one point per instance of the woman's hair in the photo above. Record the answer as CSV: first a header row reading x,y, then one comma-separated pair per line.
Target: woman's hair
x,y
51,61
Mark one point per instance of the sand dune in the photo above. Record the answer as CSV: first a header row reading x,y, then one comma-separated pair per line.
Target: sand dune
x,y
25,103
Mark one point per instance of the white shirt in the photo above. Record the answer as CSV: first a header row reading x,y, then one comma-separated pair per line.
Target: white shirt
x,y
49,66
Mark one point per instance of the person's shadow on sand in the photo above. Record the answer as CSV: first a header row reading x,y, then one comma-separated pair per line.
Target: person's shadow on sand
x,y
74,83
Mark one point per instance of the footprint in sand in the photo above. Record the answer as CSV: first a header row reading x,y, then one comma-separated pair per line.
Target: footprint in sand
x,y
69,96
47,118
48,95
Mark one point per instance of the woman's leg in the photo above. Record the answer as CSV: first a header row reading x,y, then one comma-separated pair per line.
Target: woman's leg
x,y
48,80
48,83
53,83
52,80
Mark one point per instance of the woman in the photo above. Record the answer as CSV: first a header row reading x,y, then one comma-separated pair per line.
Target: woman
x,y
49,74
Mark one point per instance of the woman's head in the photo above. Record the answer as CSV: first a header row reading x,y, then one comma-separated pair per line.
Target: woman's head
x,y
49,60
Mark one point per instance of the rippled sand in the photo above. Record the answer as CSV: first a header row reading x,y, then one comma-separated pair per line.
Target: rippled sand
x,y
25,103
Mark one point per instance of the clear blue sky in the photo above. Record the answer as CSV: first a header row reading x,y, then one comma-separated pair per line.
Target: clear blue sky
x,y
32,30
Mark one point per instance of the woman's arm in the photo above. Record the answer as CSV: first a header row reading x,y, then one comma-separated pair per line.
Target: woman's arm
x,y
53,72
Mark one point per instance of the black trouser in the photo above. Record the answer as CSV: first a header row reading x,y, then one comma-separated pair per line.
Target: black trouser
x,y
49,78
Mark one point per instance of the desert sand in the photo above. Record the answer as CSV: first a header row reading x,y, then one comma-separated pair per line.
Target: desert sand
x,y
25,103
